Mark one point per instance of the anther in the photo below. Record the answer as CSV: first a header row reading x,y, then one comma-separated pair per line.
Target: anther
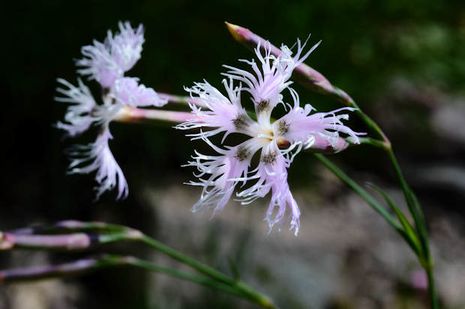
x,y
262,105
242,154
240,122
283,127
269,158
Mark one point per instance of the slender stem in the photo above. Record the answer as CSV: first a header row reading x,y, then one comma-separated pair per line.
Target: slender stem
x,y
183,100
180,257
195,278
133,114
237,288
415,209
82,235
432,287
412,203
368,198
374,142
424,255
426,259
243,288
91,264
171,98
370,123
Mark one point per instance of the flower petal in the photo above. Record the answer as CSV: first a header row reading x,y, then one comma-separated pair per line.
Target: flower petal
x,y
97,157
78,116
108,61
128,91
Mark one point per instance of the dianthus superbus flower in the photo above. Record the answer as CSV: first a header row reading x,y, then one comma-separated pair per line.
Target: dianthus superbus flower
x,y
274,141
106,63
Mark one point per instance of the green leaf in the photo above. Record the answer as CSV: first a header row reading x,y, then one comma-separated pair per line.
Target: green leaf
x,y
365,195
416,211
410,234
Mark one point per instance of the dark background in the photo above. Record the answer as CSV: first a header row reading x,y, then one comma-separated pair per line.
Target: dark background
x,y
403,61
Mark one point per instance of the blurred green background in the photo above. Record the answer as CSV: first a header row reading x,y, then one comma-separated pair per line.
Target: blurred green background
x,y
403,61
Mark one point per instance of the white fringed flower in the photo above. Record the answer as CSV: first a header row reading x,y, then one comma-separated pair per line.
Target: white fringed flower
x,y
106,63
270,76
275,141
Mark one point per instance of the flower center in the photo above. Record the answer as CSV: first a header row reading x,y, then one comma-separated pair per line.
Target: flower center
x,y
266,134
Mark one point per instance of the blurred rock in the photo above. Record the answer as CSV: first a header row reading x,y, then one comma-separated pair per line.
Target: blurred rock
x,y
448,121
440,176
345,256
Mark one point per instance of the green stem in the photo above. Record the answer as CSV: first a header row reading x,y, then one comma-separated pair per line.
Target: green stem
x,y
236,288
195,278
180,257
374,142
423,255
414,207
92,264
242,288
432,287
102,233
370,123
412,203
426,259
369,199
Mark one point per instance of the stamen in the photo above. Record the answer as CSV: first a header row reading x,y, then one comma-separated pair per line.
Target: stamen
x,y
263,105
283,127
269,158
240,122
242,154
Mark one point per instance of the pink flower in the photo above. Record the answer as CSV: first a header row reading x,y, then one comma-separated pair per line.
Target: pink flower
x,y
276,141
105,62
108,61
270,76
